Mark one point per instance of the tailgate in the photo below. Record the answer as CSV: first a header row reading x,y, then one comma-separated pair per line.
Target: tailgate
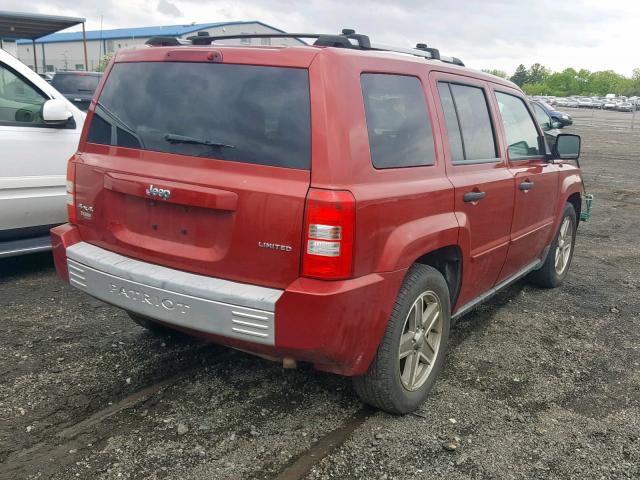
x,y
211,180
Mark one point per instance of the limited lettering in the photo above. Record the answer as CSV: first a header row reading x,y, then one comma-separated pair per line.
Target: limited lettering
x,y
275,246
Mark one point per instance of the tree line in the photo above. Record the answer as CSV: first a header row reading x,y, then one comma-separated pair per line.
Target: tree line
x,y
539,80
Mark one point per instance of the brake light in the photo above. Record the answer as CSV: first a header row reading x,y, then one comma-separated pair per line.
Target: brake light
x,y
328,234
71,194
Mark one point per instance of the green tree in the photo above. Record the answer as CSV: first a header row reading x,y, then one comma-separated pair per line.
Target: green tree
x,y
104,61
582,79
537,73
605,82
496,72
536,89
632,85
539,80
521,75
563,83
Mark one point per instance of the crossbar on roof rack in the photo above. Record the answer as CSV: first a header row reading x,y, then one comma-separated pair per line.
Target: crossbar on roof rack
x,y
347,39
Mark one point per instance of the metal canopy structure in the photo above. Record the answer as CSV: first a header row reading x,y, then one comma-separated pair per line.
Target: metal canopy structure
x,y
17,25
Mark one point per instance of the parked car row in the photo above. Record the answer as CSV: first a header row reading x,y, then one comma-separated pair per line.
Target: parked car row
x,y
621,104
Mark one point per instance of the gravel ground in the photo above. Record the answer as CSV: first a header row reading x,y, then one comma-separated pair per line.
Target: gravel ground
x,y
537,383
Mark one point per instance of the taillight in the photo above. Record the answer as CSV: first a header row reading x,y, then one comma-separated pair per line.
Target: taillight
x,y
328,234
71,193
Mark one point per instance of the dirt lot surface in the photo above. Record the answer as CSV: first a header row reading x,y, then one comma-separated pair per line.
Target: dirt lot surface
x,y
537,383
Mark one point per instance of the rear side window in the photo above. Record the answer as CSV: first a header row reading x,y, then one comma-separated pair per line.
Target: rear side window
x,y
468,123
397,121
521,131
241,113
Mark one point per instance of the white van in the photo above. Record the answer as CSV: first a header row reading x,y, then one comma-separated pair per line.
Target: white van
x,y
39,131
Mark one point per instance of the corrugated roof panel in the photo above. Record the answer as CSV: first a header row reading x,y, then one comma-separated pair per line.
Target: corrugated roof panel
x,y
141,32
33,25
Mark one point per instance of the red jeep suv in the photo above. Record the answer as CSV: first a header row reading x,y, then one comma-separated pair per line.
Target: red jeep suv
x,y
338,203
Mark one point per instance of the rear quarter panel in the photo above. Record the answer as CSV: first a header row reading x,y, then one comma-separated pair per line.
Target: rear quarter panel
x,y
402,213
570,182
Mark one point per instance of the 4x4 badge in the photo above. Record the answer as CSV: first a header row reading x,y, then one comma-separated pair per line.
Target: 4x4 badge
x,y
163,193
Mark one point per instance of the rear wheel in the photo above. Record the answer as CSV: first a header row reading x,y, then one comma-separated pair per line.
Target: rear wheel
x,y
555,268
411,353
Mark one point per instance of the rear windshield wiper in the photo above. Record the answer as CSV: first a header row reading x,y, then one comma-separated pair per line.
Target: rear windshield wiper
x,y
174,138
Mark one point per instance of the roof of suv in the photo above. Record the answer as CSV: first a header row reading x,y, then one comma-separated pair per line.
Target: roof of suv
x,y
300,56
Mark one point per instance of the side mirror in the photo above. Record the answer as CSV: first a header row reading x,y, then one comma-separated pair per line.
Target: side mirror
x,y
567,146
56,112
555,124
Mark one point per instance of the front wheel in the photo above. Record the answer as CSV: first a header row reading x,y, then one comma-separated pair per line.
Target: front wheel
x,y
411,353
554,269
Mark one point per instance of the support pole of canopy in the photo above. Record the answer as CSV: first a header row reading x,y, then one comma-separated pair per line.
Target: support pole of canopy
x,y
84,43
35,60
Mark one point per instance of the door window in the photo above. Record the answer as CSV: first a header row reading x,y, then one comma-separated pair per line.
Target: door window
x,y
519,127
468,123
397,121
20,103
544,120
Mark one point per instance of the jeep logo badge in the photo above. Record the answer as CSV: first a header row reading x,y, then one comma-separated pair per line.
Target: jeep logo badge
x,y
163,193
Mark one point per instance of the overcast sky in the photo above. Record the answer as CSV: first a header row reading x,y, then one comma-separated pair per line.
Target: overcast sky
x,y
592,34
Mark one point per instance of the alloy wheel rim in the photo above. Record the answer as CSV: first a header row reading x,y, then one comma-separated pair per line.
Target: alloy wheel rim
x,y
563,249
420,341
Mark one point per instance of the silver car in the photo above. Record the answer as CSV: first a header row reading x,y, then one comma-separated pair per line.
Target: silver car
x,y
39,131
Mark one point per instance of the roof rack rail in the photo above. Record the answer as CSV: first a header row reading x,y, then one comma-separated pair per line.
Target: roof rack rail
x,y
347,39
166,42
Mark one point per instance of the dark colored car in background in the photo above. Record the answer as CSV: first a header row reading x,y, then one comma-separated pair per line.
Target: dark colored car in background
x,y
550,127
78,87
557,116
48,76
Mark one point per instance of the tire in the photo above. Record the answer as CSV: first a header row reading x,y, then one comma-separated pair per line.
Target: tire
x,y
550,275
382,386
154,327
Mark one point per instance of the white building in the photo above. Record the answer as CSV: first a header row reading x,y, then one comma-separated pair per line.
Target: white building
x,y
64,50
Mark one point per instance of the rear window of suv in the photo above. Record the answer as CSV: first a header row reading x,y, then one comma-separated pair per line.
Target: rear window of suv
x,y
75,82
243,113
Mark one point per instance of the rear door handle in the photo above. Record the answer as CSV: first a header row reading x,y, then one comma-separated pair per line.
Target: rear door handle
x,y
473,196
524,186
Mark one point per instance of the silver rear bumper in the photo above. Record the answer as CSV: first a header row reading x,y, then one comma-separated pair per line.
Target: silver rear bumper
x,y
211,305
